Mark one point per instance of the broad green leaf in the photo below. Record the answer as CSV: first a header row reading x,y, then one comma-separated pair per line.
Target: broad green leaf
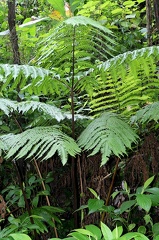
x,y
131,227
154,190
55,238
21,202
155,199
142,229
84,232
20,236
79,236
134,236
148,219
93,192
35,201
31,180
94,205
94,230
107,234
126,205
117,232
155,229
156,238
58,5
148,182
144,201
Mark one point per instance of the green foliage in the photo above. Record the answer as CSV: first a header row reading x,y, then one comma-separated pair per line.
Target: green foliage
x,y
126,18
16,236
42,217
76,58
58,5
147,113
107,134
104,233
40,142
124,217
125,82
13,76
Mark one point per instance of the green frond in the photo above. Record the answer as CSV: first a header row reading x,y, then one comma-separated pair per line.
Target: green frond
x,y
7,106
129,56
5,142
13,76
81,20
148,113
51,110
127,82
108,134
78,41
40,142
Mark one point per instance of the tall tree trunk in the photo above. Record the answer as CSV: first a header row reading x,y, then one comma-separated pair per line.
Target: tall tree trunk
x,y
156,12
149,22
16,60
13,33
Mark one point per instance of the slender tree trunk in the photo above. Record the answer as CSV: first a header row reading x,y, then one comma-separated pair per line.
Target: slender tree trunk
x,y
156,12
13,33
149,22
16,60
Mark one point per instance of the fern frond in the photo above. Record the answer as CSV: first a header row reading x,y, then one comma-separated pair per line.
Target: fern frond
x,y
129,56
127,81
48,109
147,113
30,142
7,106
78,41
108,134
13,75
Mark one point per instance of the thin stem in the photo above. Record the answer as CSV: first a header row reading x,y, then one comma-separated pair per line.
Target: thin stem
x,y
110,189
44,188
74,162
42,182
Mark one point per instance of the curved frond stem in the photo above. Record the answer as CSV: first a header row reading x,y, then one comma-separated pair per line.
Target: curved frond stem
x,y
44,188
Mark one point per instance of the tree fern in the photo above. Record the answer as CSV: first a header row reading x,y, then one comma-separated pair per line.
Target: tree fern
x,y
73,48
127,81
148,113
13,75
8,106
41,142
108,134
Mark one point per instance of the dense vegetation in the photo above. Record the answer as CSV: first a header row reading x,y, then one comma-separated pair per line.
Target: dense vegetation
x,y
79,113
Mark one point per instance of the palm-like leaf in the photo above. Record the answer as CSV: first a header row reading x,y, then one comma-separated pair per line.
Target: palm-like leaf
x,y
108,134
13,76
41,142
127,81
73,47
147,113
8,106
